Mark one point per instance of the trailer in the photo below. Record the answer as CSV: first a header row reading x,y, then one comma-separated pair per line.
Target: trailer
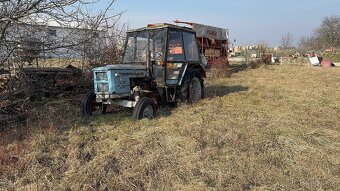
x,y
213,42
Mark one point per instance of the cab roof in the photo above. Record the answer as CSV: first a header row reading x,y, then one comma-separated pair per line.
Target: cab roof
x,y
161,26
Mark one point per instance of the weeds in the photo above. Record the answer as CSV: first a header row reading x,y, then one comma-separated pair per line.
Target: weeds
x,y
270,128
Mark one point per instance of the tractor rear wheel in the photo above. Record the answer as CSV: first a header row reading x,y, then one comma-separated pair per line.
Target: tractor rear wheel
x,y
145,108
195,90
191,90
90,107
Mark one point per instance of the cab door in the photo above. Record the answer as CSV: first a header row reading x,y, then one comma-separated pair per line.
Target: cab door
x,y
182,52
175,58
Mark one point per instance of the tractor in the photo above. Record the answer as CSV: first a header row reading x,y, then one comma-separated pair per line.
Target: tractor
x,y
161,66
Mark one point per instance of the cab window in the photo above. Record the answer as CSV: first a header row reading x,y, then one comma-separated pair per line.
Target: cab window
x,y
175,48
191,47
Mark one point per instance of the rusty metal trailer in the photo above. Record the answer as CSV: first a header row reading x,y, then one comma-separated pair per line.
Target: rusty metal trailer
x,y
213,42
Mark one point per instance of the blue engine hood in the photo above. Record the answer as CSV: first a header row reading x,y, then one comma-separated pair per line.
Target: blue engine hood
x,y
120,67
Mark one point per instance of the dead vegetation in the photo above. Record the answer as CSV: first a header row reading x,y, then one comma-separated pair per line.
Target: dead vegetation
x,y
34,85
270,128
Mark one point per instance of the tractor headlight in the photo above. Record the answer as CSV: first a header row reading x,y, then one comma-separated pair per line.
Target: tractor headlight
x,y
101,76
103,87
174,70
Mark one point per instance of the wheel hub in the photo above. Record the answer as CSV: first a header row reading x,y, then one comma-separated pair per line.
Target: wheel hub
x,y
148,112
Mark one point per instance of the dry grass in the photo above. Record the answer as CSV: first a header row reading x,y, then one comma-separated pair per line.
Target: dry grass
x,y
271,128
334,57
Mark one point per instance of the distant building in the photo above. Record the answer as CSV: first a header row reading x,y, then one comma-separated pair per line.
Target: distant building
x,y
44,41
276,48
253,50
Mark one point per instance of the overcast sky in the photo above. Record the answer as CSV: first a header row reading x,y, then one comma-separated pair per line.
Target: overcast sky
x,y
249,21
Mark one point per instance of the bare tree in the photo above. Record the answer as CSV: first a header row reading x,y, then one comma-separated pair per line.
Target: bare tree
x,y
102,40
14,13
18,17
309,43
329,32
287,41
327,35
25,31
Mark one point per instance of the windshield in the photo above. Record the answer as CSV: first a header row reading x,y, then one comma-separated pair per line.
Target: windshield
x,y
138,44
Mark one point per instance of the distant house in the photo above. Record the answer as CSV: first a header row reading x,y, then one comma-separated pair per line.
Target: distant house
x,y
48,41
253,50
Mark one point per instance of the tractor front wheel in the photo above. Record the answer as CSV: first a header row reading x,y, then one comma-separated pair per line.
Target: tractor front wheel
x,y
145,108
90,107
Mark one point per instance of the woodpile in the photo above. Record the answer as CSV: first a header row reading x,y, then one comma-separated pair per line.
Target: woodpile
x,y
18,92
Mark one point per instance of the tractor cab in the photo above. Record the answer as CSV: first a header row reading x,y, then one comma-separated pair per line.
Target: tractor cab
x,y
165,50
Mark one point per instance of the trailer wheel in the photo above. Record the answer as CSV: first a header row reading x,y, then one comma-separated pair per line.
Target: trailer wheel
x,y
191,90
145,108
90,107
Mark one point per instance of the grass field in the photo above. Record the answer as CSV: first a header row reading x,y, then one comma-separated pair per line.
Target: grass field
x,y
270,128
